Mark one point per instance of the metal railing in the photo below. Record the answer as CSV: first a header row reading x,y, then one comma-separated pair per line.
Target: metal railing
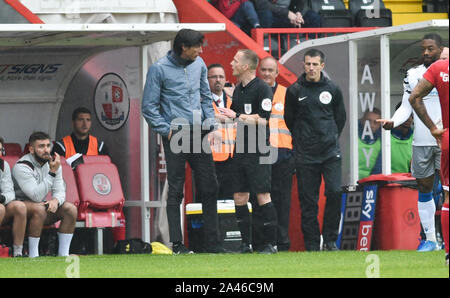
x,y
277,41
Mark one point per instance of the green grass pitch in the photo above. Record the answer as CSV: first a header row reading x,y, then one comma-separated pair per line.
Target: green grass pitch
x,y
342,264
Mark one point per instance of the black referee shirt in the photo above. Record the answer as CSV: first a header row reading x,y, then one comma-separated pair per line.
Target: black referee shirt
x,y
254,98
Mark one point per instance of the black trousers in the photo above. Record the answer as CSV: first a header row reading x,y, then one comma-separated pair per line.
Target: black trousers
x,y
206,186
309,179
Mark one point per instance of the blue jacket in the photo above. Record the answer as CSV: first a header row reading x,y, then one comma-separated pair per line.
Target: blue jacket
x,y
174,89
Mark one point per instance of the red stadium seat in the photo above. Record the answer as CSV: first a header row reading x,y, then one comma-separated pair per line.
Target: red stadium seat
x,y
96,159
11,160
13,149
26,149
101,194
71,184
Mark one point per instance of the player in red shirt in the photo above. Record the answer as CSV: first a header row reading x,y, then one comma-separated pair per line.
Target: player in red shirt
x,y
437,76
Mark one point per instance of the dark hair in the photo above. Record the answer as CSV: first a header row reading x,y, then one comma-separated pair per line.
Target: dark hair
x,y
2,141
434,36
216,65
187,38
375,110
315,53
38,135
80,110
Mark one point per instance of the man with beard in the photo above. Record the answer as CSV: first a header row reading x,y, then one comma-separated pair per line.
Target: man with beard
x,y
80,141
35,175
426,155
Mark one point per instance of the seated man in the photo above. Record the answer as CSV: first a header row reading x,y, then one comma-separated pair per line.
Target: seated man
x,y
36,175
80,141
10,209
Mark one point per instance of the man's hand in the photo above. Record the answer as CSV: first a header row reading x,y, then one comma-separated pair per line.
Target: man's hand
x,y
228,112
387,124
52,205
169,135
55,163
437,134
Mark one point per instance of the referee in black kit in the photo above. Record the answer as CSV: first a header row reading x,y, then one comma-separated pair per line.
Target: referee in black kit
x,y
251,168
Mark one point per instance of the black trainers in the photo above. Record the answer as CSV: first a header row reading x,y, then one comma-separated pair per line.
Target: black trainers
x,y
246,248
330,246
180,249
269,249
446,259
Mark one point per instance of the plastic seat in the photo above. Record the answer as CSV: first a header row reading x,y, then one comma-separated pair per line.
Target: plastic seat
x,y
366,14
11,160
13,149
333,13
96,159
72,195
101,194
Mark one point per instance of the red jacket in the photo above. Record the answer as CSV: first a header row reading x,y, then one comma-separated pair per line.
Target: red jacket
x,y
227,7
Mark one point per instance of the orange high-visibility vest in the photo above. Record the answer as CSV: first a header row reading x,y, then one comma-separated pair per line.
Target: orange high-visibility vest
x,y
70,148
280,136
222,153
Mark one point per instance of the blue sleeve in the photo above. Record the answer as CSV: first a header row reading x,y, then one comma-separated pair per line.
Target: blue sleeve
x,y
151,102
206,100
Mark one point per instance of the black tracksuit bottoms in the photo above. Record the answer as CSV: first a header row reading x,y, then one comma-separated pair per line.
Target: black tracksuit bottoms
x,y
309,179
206,186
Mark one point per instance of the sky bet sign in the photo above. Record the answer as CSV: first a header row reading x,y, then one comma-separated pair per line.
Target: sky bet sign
x,y
367,218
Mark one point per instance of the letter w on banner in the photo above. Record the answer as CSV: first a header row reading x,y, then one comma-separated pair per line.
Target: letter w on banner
x,y
367,217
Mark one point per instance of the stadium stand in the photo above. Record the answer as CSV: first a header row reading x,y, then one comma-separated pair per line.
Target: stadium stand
x,y
333,13
367,14
13,149
412,11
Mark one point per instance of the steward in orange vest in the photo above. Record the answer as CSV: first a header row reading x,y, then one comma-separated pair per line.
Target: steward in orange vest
x,y
280,136
80,141
224,152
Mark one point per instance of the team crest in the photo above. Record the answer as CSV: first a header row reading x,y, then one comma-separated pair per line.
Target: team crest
x,y
111,100
266,104
325,97
101,184
248,108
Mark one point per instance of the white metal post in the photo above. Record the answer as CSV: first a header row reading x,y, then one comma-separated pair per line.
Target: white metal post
x,y
385,102
353,110
145,164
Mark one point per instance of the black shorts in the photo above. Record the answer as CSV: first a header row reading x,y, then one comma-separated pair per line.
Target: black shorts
x,y
249,174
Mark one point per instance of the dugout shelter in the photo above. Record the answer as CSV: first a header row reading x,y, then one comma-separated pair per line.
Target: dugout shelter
x,y
48,69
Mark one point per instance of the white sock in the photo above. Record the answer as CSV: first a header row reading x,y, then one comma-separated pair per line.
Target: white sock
x,y
64,244
17,250
427,212
33,247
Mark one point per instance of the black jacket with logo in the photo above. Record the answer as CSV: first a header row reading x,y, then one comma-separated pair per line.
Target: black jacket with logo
x,y
315,115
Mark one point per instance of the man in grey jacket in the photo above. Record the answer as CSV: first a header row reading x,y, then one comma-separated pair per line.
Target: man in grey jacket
x,y
177,104
35,175
11,210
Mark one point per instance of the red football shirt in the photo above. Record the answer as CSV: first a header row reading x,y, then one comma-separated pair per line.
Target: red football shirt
x,y
437,74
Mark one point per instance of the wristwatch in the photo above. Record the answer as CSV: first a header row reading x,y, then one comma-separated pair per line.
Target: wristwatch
x,y
237,115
